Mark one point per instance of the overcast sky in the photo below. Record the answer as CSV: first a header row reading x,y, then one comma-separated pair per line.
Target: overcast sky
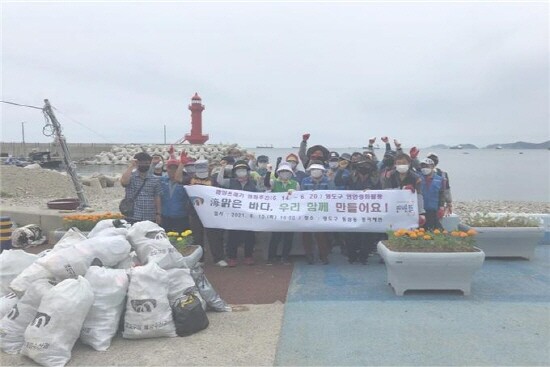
x,y
425,73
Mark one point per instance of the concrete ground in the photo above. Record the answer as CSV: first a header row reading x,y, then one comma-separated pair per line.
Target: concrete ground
x,y
342,314
345,314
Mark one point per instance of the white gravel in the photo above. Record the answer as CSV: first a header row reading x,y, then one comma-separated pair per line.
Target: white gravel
x,y
34,188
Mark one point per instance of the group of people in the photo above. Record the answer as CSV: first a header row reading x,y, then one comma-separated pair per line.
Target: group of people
x,y
158,190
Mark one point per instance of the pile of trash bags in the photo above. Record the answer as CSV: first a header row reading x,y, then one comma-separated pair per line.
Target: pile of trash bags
x,y
119,277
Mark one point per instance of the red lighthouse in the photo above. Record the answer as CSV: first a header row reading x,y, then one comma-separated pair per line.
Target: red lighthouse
x,y
196,108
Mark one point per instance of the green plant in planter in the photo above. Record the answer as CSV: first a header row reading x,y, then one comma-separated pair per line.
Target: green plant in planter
x,y
181,240
485,220
418,240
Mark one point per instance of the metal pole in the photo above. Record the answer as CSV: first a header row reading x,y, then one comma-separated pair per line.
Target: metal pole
x,y
69,165
23,136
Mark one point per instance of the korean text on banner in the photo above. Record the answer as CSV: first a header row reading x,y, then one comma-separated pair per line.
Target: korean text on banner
x,y
305,211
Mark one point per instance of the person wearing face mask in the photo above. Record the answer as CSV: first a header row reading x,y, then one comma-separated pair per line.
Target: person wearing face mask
x,y
315,153
317,180
292,159
387,166
241,181
213,235
433,191
447,187
144,187
283,183
333,166
404,178
360,245
159,166
260,172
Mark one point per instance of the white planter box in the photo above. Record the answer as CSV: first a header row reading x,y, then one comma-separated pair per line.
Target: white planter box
x,y
430,270
508,241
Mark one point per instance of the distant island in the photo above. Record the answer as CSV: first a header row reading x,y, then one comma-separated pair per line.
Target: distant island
x,y
516,145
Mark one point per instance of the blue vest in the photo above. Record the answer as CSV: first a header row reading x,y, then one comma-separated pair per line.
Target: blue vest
x,y
431,193
309,184
174,205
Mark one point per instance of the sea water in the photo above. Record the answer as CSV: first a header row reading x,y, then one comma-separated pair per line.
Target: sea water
x,y
474,174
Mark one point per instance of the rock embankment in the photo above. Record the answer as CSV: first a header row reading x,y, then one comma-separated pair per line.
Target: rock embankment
x,y
123,154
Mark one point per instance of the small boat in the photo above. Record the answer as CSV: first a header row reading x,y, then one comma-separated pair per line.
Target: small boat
x,y
270,146
45,160
456,147
498,147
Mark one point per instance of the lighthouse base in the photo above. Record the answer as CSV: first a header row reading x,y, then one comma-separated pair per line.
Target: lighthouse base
x,y
196,139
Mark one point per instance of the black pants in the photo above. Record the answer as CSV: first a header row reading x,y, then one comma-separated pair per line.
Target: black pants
x,y
360,244
213,235
432,221
235,238
175,224
276,237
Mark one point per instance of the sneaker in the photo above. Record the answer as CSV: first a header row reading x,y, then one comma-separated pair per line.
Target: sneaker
x,y
249,261
231,263
222,263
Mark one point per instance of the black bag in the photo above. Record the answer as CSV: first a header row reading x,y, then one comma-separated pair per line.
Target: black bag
x,y
126,206
188,315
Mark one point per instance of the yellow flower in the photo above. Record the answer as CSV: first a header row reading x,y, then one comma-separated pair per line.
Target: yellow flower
x,y
186,233
179,239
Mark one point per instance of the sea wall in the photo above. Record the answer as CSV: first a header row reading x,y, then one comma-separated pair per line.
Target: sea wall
x,y
78,150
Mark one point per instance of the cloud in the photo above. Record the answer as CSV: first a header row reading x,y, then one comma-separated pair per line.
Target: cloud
x,y
425,73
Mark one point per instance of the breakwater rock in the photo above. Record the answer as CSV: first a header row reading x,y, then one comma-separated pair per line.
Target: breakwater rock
x,y
123,154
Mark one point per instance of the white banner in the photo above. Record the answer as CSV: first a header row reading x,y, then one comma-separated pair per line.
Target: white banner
x,y
305,211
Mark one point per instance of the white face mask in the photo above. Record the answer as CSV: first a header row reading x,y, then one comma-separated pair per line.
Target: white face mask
x,y
201,174
292,164
316,173
159,165
262,165
333,164
241,173
285,175
402,168
426,171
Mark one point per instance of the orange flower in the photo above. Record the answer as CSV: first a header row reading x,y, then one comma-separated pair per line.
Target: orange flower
x,y
413,236
427,237
437,231
463,234
471,232
455,234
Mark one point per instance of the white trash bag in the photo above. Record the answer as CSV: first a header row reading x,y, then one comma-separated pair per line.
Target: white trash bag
x,y
107,224
70,238
68,262
50,337
180,282
13,325
28,236
148,313
12,263
151,244
101,323
28,276
7,301
129,262
109,250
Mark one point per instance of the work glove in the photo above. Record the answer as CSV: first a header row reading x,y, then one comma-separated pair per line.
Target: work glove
x,y
305,137
384,139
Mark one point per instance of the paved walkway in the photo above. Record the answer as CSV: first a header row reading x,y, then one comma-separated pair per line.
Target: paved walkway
x,y
344,314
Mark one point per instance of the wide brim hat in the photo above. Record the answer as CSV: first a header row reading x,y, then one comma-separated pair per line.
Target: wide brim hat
x,y
316,166
241,164
284,167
